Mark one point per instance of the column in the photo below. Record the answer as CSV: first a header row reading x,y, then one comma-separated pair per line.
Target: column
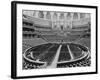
x,y
72,14
36,14
52,13
58,16
65,20
78,16
45,13
58,20
71,22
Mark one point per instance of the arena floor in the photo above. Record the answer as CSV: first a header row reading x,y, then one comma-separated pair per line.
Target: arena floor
x,y
28,43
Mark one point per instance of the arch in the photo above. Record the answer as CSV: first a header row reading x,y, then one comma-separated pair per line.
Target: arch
x,y
62,16
48,16
68,16
75,16
55,16
35,14
41,15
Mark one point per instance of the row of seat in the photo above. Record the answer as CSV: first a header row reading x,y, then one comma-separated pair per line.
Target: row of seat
x,y
46,53
30,66
30,36
77,64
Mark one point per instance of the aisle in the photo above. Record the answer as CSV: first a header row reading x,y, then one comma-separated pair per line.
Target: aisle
x,y
54,62
70,52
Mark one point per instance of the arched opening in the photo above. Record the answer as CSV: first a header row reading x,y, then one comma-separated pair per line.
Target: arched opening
x,y
75,16
69,16
41,15
48,16
55,16
61,16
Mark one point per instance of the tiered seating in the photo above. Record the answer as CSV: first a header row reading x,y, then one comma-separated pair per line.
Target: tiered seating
x,y
31,65
83,63
28,23
25,46
82,47
37,56
47,32
80,63
29,62
53,38
71,38
30,36
44,55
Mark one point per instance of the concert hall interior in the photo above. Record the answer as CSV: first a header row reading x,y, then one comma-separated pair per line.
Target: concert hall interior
x,y
55,39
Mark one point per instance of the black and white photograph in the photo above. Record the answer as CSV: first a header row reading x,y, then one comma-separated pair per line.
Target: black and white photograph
x,y
53,39
56,39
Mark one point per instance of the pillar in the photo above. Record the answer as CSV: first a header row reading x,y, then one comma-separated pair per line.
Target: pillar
x,y
52,13
78,16
58,20
36,14
71,22
65,20
45,13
